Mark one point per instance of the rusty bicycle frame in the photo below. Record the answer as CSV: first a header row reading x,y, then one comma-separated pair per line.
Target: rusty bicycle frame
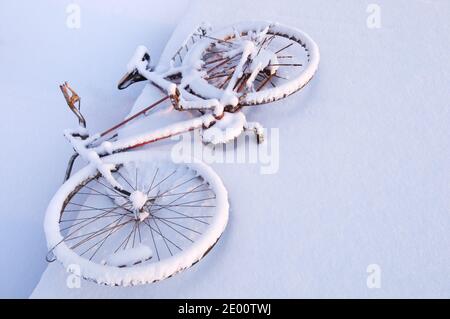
x,y
73,100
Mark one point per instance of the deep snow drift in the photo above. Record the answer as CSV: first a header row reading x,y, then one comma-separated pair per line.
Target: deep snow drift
x,y
363,175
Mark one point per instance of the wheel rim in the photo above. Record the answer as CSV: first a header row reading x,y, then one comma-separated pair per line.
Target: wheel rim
x,y
297,55
187,213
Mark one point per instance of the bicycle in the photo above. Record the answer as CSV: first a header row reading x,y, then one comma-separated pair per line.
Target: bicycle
x,y
133,217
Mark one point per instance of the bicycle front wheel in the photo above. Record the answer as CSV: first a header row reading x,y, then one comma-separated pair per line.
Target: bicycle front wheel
x,y
91,225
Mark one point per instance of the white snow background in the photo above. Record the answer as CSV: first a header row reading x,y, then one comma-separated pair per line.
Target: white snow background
x,y
364,172
38,52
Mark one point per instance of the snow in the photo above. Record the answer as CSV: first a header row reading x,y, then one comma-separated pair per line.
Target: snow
x,y
92,157
138,199
257,128
37,53
143,216
248,47
130,256
107,146
137,60
169,130
165,85
264,59
225,130
200,104
364,171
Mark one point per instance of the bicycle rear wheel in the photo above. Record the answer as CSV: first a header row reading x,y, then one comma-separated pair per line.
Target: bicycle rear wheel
x,y
290,58
184,212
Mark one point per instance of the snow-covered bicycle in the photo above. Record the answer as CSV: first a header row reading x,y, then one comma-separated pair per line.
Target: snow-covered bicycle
x,y
133,217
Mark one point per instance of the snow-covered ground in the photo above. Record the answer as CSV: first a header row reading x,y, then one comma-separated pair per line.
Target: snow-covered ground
x,y
363,179
38,51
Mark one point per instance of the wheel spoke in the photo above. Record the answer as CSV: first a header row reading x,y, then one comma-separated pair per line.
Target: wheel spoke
x,y
188,192
111,189
136,180
286,64
177,212
181,184
163,180
97,217
93,194
95,208
164,238
264,83
184,195
183,217
153,239
97,233
213,38
127,238
169,221
88,223
284,48
100,193
126,181
176,230
153,180
102,241
185,203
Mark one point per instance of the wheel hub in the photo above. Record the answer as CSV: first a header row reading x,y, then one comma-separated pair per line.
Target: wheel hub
x,y
138,200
